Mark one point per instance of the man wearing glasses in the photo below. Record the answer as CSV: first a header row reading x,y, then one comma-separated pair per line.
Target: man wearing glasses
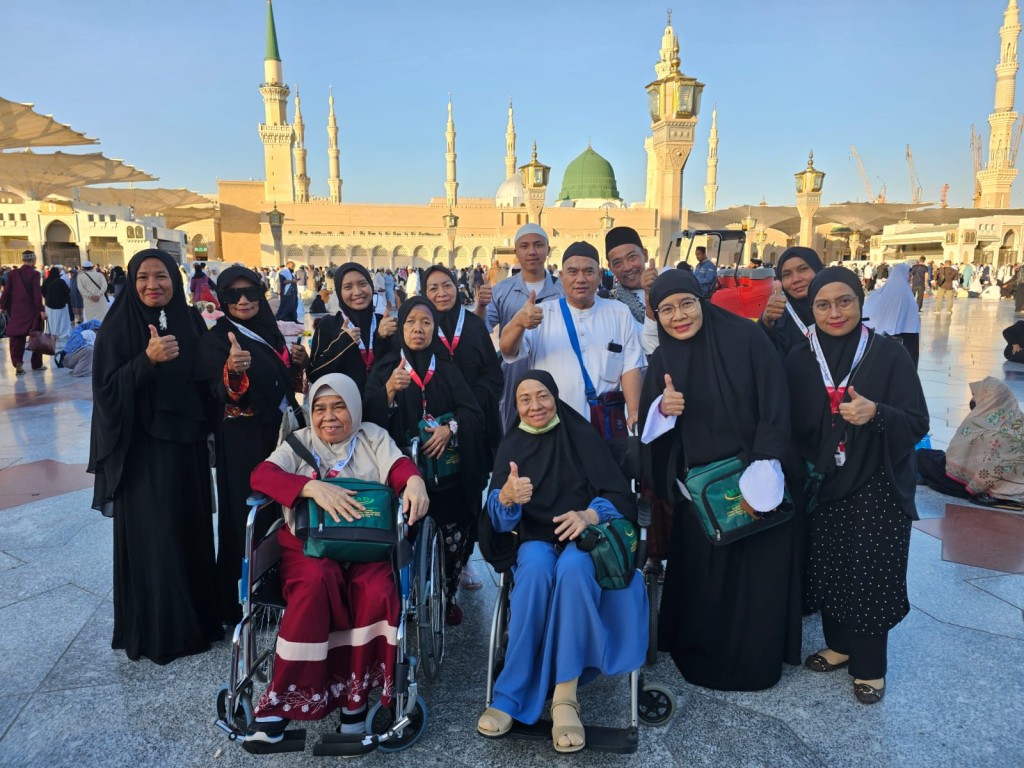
x,y
589,345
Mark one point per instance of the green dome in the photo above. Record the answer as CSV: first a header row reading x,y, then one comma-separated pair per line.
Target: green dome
x,y
589,177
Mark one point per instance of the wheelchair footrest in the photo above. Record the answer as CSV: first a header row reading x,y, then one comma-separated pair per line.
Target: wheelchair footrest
x,y
600,738
294,741
345,745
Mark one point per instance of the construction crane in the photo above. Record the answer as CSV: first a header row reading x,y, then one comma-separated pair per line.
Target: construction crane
x,y
976,158
915,183
864,178
944,195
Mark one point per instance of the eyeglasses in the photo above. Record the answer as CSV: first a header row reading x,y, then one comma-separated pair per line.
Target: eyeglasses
x,y
686,307
235,295
843,302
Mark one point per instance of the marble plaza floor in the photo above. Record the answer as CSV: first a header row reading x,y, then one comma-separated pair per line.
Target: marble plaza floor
x,y
955,685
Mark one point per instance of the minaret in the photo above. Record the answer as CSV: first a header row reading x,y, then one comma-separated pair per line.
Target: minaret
x,y
333,153
711,188
997,178
510,144
673,102
301,179
451,186
275,133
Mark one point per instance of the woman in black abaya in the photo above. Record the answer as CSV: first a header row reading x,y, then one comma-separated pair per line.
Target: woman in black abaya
x,y
715,389
252,375
849,376
787,317
351,340
407,386
149,455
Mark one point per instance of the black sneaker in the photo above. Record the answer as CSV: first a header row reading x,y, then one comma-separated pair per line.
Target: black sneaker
x,y
267,733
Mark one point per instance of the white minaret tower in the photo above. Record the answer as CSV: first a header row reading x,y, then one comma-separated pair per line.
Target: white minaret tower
x,y
997,177
333,153
510,144
275,132
301,179
451,186
711,188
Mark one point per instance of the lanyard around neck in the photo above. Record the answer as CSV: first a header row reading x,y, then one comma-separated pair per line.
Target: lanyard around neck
x,y
249,334
836,393
457,335
799,323
421,383
340,465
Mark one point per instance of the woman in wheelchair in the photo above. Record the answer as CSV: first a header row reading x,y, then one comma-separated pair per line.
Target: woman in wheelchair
x,y
414,392
551,479
337,638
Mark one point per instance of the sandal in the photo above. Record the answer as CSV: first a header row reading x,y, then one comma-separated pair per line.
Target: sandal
x,y
819,663
558,731
501,721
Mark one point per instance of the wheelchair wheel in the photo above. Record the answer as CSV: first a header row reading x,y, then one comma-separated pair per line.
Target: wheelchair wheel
x,y
379,719
266,621
432,601
656,705
241,718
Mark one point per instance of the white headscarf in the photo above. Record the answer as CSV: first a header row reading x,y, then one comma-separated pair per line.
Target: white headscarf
x,y
374,452
892,309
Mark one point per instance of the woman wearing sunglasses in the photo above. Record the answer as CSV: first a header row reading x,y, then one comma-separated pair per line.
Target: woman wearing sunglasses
x,y
253,375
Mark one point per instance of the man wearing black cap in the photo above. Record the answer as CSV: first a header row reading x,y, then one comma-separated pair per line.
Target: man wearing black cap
x,y
609,355
22,300
628,262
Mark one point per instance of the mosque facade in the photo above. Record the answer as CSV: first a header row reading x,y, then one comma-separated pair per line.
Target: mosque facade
x,y
271,221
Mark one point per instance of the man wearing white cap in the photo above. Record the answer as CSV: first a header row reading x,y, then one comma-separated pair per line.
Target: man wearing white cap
x,y
93,287
498,304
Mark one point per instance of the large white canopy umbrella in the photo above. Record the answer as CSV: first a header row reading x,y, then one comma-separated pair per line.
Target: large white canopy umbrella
x,y
21,126
35,177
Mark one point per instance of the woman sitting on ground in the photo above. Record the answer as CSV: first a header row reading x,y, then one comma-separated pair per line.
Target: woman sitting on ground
x,y
316,672
551,480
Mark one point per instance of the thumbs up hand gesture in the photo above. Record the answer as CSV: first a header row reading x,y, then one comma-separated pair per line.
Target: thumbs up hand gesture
x,y
388,325
516,490
859,410
672,402
398,381
776,306
649,275
352,330
161,349
238,359
530,315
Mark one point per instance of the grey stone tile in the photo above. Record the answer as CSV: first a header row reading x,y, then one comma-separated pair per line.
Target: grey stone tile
x,y
1008,587
941,590
36,633
46,523
6,561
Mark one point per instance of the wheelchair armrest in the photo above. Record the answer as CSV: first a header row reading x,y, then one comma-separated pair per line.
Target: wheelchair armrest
x,y
414,451
256,500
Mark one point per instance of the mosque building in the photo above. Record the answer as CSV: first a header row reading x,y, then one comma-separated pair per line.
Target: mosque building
x,y
274,220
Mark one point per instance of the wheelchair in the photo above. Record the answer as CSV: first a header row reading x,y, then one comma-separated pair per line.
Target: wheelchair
x,y
649,703
418,567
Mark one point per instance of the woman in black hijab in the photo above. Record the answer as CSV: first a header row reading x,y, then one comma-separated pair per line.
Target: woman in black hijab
x,y
149,454
118,280
56,297
252,376
551,479
412,384
715,389
788,315
856,397
354,338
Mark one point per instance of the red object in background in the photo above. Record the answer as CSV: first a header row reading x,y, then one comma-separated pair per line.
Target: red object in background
x,y
744,292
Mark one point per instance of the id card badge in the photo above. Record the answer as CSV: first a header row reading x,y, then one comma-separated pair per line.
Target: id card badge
x,y
840,455
431,421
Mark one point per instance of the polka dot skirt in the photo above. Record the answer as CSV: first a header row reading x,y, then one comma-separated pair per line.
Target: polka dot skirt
x,y
857,565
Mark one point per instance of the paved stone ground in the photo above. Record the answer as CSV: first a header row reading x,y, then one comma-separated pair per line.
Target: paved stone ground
x,y
955,688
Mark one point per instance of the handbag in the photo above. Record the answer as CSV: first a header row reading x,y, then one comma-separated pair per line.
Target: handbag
x,y
444,472
612,547
607,411
369,539
43,342
715,491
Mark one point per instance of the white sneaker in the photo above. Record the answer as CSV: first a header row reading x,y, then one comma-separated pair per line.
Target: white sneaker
x,y
469,578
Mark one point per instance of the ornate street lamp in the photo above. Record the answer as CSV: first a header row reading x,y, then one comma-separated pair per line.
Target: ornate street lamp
x,y
809,182
451,224
276,219
747,224
607,221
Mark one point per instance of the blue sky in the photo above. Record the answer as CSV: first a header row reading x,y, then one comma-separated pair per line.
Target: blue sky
x,y
173,87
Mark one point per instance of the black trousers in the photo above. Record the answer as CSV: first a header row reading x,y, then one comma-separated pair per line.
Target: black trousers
x,y
867,652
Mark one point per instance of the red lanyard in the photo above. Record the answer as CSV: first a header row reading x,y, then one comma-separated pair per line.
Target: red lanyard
x,y
458,334
836,393
422,384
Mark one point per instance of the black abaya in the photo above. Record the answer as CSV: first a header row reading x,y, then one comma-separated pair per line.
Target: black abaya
x,y
149,455
730,616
